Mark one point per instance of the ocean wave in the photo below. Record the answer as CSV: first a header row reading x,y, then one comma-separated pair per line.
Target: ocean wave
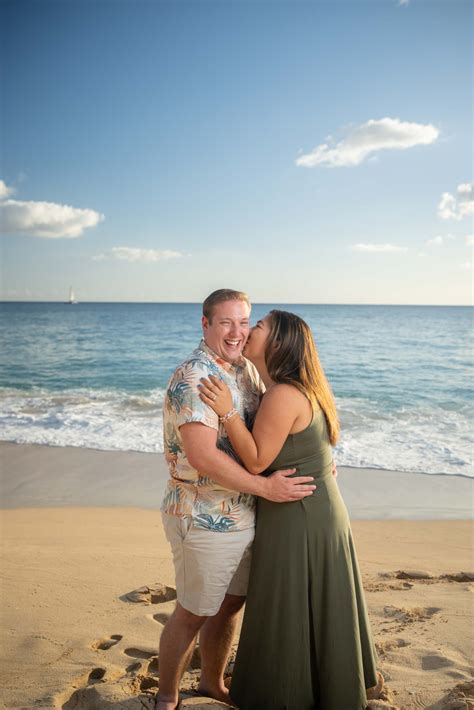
x,y
107,420
425,439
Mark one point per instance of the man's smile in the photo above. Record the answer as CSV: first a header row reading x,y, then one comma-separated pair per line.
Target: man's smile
x,y
233,343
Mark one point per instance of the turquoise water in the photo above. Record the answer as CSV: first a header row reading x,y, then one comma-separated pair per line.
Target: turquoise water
x,y
93,375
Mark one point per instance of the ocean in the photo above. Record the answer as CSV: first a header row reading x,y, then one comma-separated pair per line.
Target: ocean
x,y
93,375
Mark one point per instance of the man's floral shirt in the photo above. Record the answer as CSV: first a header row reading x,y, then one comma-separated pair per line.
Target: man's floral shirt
x,y
191,492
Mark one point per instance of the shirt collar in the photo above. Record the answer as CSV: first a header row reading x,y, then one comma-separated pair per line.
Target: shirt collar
x,y
227,366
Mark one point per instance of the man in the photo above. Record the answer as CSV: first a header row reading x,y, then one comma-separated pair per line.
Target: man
x,y
208,509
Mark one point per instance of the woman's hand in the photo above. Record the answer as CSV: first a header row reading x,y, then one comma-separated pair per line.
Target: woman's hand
x,y
215,393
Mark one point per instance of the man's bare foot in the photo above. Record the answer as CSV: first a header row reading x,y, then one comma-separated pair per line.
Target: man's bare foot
x,y
165,704
374,693
220,693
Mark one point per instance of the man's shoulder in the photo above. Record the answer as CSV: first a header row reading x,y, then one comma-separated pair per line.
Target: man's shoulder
x,y
196,363
182,404
196,357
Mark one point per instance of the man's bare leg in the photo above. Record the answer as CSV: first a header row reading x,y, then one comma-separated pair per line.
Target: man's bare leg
x,y
176,646
215,641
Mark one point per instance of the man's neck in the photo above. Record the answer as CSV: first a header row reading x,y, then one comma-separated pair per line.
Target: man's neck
x,y
231,363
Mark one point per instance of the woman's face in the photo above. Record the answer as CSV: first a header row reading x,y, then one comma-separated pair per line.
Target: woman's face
x,y
257,340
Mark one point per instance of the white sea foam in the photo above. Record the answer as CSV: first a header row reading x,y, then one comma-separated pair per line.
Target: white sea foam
x,y
422,439
107,420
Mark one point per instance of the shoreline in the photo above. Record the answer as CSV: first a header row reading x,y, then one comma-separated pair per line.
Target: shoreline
x,y
4,442
40,476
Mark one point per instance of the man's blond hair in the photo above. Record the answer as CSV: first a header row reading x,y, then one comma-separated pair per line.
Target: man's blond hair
x,y
220,296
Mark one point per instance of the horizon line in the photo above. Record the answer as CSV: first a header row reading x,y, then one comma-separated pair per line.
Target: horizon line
x,y
255,303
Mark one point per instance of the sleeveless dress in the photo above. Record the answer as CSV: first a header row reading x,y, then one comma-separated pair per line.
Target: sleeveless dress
x,y
305,642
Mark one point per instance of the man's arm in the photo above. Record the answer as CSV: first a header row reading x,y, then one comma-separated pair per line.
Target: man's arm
x,y
200,446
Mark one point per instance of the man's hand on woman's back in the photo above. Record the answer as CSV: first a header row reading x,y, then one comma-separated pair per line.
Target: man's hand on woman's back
x,y
279,487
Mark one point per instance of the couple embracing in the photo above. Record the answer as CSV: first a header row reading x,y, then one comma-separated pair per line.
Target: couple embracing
x,y
253,514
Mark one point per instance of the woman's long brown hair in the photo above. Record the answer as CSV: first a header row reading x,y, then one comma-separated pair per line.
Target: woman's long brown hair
x,y
291,357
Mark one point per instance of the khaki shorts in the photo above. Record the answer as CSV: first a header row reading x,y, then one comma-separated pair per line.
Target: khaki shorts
x,y
208,564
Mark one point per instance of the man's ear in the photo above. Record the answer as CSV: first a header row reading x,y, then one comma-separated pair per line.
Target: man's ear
x,y
205,322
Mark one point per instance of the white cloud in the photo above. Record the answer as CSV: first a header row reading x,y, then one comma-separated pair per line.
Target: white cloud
x,y
403,2
470,240
378,248
466,266
435,240
440,239
5,191
45,219
135,254
362,141
459,206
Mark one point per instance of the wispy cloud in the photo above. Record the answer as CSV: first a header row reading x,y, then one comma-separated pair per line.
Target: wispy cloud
x,y
47,220
466,265
368,138
469,240
403,2
440,239
378,248
5,191
459,206
135,254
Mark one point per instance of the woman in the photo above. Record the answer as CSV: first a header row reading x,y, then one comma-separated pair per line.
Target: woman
x,y
305,640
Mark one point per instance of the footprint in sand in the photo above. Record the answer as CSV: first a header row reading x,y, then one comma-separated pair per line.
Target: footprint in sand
x,y
414,574
139,653
105,644
456,674
425,577
410,615
156,593
398,618
459,577
461,697
434,661
152,668
133,667
377,586
161,618
95,675
149,683
384,647
136,685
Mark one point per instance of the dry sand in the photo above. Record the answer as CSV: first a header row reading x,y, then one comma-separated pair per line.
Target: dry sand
x,y
72,639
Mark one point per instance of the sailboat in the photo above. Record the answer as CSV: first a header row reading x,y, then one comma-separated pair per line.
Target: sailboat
x,y
72,298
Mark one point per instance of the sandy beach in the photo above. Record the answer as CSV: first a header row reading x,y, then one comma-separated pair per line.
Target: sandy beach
x,y
81,532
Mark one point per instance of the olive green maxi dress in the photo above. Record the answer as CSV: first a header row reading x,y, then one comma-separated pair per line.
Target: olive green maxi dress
x,y
305,642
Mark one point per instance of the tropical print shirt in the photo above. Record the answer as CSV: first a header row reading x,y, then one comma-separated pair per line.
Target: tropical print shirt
x,y
191,492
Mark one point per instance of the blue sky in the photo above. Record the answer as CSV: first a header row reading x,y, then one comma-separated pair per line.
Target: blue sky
x,y
302,151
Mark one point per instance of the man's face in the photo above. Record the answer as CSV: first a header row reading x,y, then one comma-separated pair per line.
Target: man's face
x,y
229,328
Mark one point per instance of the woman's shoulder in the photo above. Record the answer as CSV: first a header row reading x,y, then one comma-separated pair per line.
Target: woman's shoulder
x,y
283,392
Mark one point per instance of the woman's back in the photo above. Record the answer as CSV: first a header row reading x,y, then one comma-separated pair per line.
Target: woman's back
x,y
308,450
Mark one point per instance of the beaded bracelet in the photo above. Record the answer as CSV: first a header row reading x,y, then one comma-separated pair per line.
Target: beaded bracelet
x,y
227,416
